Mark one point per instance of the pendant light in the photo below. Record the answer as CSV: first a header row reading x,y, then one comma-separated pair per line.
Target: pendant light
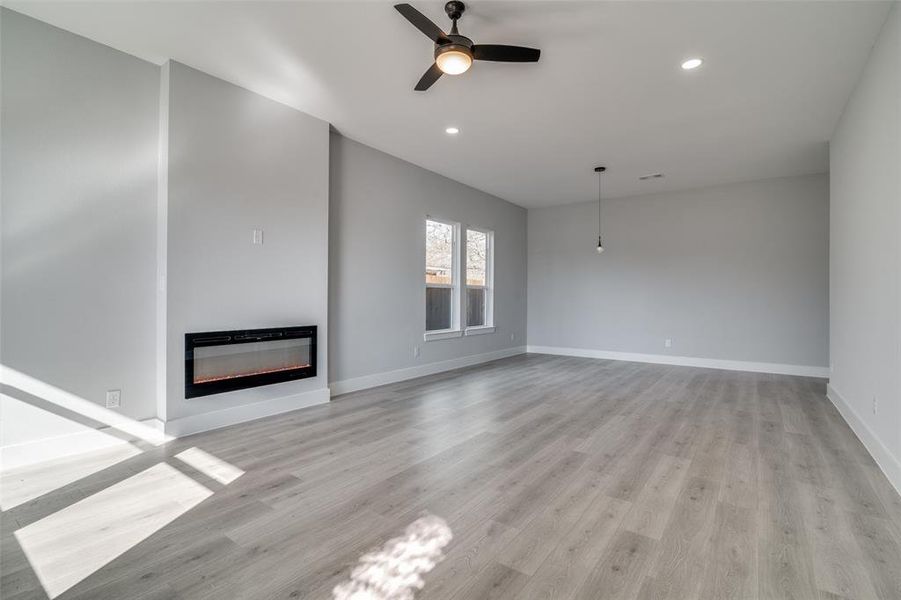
x,y
599,171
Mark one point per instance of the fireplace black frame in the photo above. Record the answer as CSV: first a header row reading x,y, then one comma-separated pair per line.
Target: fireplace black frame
x,y
245,336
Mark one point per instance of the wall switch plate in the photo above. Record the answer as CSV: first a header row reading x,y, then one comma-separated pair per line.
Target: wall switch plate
x,y
875,405
415,351
258,237
113,398
667,343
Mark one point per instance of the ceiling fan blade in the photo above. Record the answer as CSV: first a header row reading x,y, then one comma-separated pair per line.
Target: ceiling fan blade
x,y
428,78
422,23
501,53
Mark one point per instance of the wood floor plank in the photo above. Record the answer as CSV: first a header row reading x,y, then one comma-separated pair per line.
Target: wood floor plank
x,y
573,560
493,582
473,549
655,503
685,550
880,551
838,569
540,491
740,480
731,572
621,570
784,544
530,547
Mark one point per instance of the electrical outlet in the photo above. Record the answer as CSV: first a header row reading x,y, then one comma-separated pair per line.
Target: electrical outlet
x,y
875,405
667,343
513,337
415,351
113,398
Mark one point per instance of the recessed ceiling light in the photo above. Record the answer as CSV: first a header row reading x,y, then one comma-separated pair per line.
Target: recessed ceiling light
x,y
452,130
692,63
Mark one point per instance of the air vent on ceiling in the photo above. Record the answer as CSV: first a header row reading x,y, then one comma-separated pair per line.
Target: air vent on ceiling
x,y
650,176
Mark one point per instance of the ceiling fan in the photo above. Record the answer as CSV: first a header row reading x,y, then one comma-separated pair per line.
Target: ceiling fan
x,y
454,53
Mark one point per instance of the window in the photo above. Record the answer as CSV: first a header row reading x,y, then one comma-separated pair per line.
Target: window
x,y
454,305
478,278
441,281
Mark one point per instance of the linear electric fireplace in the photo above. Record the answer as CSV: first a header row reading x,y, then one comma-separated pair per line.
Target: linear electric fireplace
x,y
223,361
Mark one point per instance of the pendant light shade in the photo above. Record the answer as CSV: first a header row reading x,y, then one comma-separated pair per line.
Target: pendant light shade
x,y
599,171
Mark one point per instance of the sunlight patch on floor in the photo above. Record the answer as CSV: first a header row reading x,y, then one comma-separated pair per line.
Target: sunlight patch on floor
x,y
71,544
394,571
209,465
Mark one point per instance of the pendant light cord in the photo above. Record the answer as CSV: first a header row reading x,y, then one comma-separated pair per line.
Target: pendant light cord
x,y
599,170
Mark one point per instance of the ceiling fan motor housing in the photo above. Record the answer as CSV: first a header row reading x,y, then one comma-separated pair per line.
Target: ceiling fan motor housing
x,y
458,44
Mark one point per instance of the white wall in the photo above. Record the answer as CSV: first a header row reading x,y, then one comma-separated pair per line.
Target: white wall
x,y
377,251
239,162
735,272
79,164
865,254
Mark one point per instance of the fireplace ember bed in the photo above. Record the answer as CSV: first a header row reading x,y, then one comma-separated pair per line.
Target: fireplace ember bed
x,y
224,361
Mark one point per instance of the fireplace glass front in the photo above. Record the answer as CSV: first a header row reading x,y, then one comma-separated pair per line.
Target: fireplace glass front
x,y
223,361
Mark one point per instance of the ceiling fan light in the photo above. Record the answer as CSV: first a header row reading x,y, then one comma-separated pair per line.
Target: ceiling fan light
x,y
454,61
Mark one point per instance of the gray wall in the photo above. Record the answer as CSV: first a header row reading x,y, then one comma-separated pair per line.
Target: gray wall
x,y
735,272
865,253
376,262
79,166
239,162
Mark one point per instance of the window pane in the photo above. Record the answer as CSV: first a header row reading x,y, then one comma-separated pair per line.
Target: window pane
x,y
438,308
439,252
475,307
476,258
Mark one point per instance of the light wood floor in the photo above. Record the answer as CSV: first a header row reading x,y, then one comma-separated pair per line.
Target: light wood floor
x,y
559,477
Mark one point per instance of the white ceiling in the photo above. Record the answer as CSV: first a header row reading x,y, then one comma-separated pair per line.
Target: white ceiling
x,y
608,88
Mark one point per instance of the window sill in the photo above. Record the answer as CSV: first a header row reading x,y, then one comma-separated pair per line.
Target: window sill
x,y
444,334
479,330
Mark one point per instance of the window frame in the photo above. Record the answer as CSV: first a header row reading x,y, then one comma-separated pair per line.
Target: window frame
x,y
455,329
488,326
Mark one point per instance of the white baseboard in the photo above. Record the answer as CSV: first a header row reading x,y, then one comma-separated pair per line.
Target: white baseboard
x,y
687,361
90,439
157,424
246,412
889,464
369,381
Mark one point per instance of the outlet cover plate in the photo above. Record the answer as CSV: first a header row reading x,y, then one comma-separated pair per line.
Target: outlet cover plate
x,y
113,398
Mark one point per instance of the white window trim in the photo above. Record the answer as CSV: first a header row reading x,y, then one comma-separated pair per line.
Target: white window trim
x,y
488,327
480,330
455,330
441,334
